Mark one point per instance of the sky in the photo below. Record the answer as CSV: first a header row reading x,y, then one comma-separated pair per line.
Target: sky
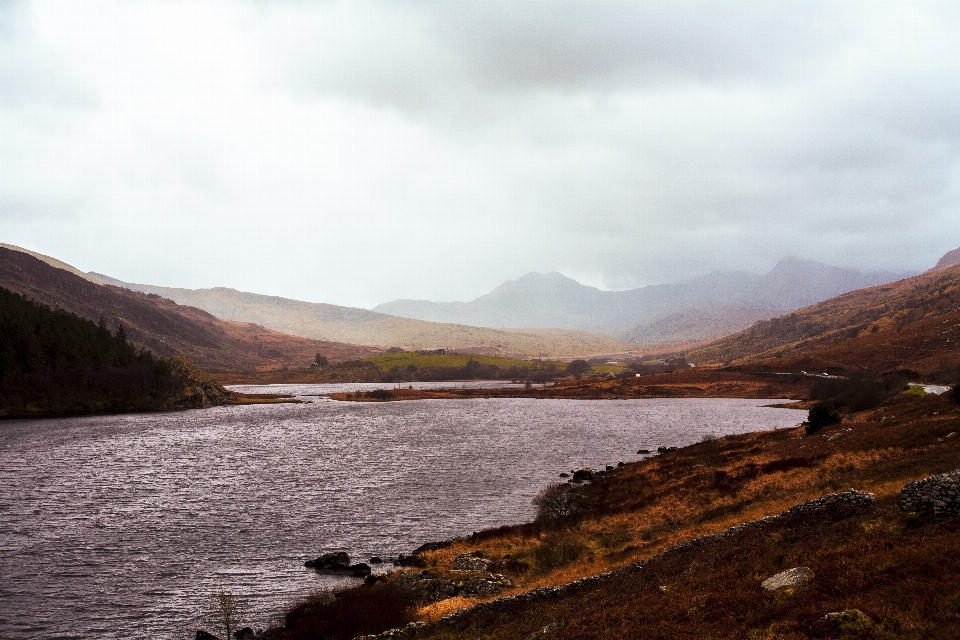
x,y
356,153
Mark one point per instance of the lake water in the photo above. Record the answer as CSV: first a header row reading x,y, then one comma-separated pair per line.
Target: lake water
x,y
120,526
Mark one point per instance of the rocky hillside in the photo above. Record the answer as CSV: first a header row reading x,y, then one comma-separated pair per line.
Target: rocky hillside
x,y
909,324
163,326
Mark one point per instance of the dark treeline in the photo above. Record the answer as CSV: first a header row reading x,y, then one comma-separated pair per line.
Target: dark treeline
x,y
54,362
474,370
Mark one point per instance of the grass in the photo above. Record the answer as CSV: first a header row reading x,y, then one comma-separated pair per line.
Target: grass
x,y
403,360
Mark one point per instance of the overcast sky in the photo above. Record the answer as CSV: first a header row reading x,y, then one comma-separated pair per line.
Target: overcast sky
x,y
360,152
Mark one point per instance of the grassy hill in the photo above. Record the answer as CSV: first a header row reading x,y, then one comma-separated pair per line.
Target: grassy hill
x,y
910,324
164,327
360,326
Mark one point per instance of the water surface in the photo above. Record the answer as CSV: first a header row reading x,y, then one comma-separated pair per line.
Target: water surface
x,y
118,526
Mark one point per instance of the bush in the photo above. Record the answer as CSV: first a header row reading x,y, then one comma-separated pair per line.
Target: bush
x,y
578,367
822,415
361,610
557,551
560,504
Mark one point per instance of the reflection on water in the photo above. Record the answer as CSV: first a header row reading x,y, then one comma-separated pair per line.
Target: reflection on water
x,y
115,527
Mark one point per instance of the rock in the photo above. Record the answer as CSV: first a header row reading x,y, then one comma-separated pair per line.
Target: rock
x,y
661,449
643,451
583,474
336,561
553,627
244,634
409,561
203,635
610,467
849,621
374,578
468,562
564,475
360,570
426,587
796,577
376,560
489,585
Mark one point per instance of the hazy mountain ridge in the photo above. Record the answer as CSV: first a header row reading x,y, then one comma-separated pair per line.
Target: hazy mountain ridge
x,y
726,301
912,323
363,327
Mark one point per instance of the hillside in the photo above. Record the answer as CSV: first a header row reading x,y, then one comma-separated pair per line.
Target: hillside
x,y
708,306
164,327
53,362
910,324
360,326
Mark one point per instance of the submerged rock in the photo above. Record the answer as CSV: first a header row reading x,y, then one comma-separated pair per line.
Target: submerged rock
x,y
335,561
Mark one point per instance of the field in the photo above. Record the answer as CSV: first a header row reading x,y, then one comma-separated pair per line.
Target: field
x,y
388,361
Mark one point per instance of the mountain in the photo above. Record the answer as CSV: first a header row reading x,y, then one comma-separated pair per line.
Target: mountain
x,y
909,324
360,326
704,307
949,259
163,326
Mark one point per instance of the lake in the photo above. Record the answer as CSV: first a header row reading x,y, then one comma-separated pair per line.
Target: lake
x,y
119,526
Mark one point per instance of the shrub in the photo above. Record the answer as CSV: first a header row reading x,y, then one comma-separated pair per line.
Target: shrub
x,y
578,367
361,610
560,504
557,551
821,415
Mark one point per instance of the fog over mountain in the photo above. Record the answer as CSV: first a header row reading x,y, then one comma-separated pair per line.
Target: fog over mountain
x,y
358,152
711,305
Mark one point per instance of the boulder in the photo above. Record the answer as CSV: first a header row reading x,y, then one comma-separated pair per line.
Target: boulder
x,y
643,451
376,560
789,579
583,474
481,587
359,570
468,562
425,586
849,622
203,635
244,634
336,561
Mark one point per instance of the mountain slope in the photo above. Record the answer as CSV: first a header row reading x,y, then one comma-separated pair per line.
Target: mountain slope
x,y
727,301
161,325
912,323
360,326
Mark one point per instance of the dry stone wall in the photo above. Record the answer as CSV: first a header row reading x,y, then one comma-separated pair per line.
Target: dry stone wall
x,y
942,492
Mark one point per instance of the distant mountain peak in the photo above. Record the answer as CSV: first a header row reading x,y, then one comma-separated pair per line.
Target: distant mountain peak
x,y
949,259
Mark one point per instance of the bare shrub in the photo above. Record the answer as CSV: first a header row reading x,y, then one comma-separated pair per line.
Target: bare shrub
x,y
560,504
222,612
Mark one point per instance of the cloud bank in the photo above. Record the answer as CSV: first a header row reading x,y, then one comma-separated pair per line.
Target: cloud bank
x,y
360,152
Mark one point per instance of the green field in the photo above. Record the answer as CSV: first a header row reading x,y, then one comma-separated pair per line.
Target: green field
x,y
390,361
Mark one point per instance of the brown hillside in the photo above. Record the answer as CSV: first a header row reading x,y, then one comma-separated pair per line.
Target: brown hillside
x,y
909,324
163,326
949,259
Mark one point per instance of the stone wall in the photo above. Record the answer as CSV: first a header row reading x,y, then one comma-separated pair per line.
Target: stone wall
x,y
942,492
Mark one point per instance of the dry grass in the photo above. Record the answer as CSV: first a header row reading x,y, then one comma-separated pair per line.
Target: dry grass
x,y
645,508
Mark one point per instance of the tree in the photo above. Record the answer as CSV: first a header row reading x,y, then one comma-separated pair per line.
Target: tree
x,y
223,611
321,360
578,367
822,415
560,503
